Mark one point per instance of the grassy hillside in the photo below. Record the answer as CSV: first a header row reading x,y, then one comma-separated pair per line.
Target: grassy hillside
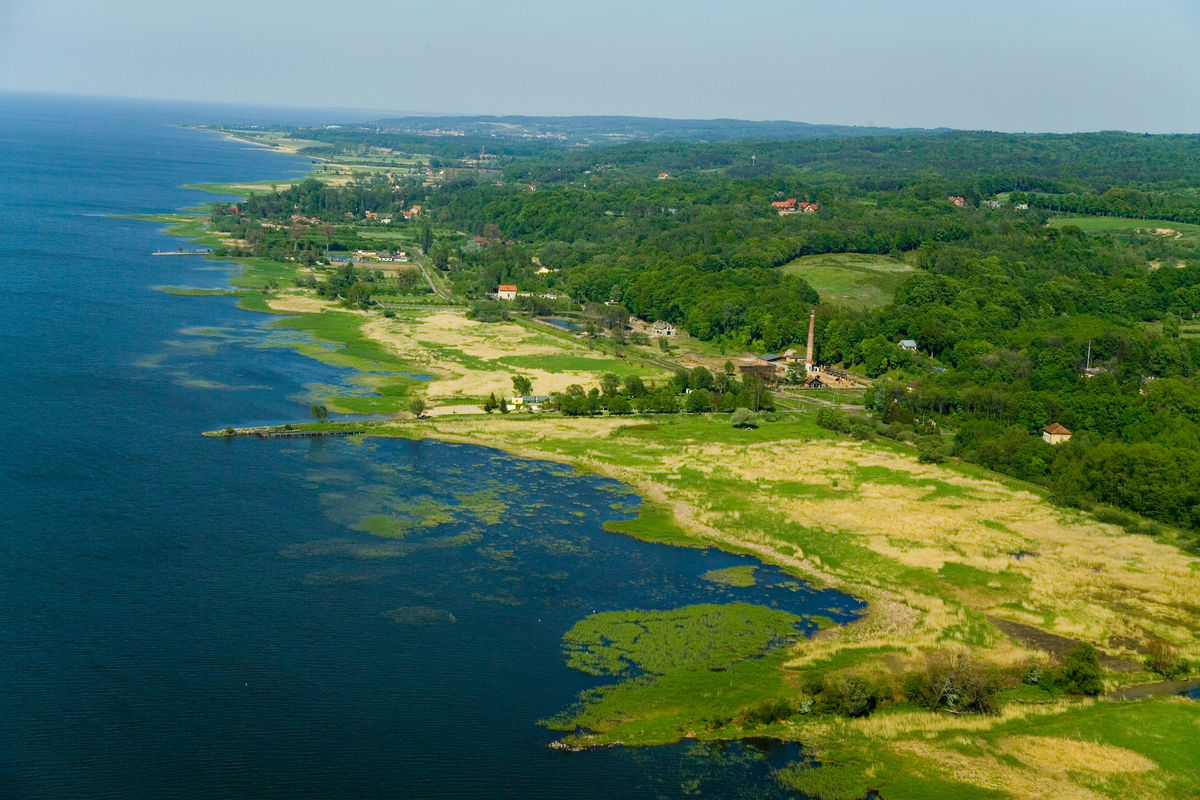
x,y
852,280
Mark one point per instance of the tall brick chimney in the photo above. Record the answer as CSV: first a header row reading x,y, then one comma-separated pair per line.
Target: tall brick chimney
x,y
812,326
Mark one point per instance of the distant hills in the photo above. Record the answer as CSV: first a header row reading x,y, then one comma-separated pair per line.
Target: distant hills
x,y
591,130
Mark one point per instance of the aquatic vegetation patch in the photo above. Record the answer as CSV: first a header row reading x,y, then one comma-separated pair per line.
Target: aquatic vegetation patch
x,y
420,615
499,598
334,577
700,637
561,547
484,504
499,555
186,381
741,577
385,527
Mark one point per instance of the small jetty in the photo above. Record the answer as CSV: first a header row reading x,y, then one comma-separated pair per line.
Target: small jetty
x,y
181,252
305,434
285,433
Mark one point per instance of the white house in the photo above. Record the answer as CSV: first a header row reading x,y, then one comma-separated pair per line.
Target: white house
x,y
506,292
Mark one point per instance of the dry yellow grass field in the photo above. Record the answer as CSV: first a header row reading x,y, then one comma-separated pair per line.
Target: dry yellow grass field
x,y
465,356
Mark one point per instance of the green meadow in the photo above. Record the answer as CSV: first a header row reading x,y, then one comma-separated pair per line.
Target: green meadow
x,y
854,280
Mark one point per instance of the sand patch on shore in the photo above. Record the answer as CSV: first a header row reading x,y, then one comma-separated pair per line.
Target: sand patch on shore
x,y
299,304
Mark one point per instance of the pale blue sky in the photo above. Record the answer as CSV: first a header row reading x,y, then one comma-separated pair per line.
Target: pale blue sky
x,y
1011,65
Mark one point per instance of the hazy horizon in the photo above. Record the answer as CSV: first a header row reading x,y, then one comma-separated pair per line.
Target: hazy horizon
x,y
1023,67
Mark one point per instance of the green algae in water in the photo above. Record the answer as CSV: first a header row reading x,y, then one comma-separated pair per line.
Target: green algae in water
x,y
420,615
495,554
741,577
556,546
500,599
700,637
384,526
485,504
335,577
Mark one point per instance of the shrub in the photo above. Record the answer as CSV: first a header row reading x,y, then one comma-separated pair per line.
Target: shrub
x,y
953,682
1164,659
768,711
849,695
930,449
742,418
1081,671
855,427
488,311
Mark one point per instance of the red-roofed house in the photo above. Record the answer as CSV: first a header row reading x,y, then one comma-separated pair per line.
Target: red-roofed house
x,y
1055,434
808,208
958,201
782,204
506,292
662,176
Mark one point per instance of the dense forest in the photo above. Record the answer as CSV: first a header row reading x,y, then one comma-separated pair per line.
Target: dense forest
x,y
1007,310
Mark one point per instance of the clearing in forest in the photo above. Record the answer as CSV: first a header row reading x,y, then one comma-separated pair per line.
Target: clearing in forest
x,y
853,280
1159,227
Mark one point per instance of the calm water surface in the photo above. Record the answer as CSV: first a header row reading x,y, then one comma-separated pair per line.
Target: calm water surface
x,y
187,618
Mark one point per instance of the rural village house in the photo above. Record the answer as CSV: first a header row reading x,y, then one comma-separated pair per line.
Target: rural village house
x,y
1055,434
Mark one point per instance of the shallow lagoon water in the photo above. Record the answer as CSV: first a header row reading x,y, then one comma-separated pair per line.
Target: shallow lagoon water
x,y
193,618
565,324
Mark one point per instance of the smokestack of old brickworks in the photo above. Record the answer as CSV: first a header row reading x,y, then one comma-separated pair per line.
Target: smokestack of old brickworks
x,y
812,326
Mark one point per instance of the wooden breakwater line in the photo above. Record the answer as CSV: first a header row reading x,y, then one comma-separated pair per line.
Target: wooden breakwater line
x,y
304,434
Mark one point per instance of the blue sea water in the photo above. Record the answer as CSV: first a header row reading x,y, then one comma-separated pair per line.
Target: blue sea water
x,y
183,617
